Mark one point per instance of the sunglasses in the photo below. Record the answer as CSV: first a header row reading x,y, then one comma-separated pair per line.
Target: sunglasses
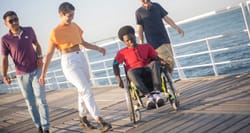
x,y
11,21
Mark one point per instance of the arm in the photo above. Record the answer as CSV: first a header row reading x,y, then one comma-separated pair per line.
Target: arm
x,y
140,33
5,64
39,54
169,21
93,47
48,57
116,71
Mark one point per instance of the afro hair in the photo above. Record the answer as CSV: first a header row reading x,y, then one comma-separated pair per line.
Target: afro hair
x,y
124,31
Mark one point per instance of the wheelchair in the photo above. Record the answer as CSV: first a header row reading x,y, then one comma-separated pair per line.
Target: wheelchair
x,y
133,96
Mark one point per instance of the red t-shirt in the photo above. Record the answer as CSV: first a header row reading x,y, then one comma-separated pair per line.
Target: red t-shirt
x,y
137,57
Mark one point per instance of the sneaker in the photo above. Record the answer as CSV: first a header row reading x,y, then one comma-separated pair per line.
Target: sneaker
x,y
150,103
104,126
86,124
159,100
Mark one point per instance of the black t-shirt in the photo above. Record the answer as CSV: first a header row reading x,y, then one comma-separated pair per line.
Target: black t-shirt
x,y
153,26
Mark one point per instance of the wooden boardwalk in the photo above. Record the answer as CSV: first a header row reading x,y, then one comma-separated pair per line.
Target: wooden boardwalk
x,y
213,104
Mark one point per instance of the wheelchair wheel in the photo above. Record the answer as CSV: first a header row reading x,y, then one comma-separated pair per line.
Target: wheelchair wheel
x,y
175,103
134,112
169,85
137,113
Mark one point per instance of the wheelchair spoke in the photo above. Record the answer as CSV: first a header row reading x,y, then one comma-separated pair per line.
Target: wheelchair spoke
x,y
134,112
171,90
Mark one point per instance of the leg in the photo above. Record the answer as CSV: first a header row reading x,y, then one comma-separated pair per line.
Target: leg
x,y
165,52
40,96
29,97
76,70
154,67
135,76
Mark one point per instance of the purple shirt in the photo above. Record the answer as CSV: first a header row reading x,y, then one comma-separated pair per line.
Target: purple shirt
x,y
21,50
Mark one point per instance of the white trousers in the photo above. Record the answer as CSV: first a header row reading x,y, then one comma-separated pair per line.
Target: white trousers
x,y
76,71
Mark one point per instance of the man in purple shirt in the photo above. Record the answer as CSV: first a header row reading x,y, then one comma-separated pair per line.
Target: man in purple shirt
x,y
22,45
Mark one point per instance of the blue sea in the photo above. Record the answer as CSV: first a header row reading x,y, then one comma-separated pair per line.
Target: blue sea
x,y
229,23
231,52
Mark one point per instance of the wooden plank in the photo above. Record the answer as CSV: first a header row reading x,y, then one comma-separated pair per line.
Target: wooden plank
x,y
207,119
67,116
147,126
213,104
175,123
223,118
229,123
244,129
21,127
241,126
187,124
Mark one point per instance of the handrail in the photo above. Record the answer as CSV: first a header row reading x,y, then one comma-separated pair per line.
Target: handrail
x,y
93,79
209,51
53,79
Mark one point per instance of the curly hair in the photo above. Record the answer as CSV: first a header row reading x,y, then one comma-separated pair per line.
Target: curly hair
x,y
125,30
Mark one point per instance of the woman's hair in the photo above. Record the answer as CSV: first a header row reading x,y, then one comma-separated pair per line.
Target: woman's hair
x,y
66,7
125,30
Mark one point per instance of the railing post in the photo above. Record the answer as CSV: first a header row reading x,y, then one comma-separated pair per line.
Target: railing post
x,y
54,74
106,70
181,73
212,58
248,4
245,18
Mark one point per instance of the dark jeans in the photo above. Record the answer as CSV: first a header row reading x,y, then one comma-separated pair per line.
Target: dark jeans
x,y
136,76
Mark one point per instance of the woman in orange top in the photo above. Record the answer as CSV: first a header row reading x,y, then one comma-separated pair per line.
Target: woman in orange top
x,y
67,38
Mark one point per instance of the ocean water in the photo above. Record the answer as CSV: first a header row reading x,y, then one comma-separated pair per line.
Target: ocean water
x,y
229,23
232,47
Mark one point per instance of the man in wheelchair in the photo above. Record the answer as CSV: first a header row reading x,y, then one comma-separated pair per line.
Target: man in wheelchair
x,y
138,60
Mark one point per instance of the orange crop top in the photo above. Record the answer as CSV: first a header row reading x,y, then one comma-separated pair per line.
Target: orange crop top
x,y
66,36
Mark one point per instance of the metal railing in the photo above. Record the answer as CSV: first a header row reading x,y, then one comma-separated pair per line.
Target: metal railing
x,y
211,53
102,73
180,68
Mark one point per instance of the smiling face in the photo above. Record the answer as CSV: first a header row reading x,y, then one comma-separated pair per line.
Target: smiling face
x,y
129,40
12,22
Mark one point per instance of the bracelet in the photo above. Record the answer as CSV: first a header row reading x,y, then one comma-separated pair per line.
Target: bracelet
x,y
40,56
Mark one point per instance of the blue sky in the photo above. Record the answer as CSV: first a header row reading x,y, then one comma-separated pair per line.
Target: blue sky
x,y
99,19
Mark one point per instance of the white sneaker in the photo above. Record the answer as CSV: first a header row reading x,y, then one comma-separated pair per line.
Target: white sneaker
x,y
159,100
150,103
